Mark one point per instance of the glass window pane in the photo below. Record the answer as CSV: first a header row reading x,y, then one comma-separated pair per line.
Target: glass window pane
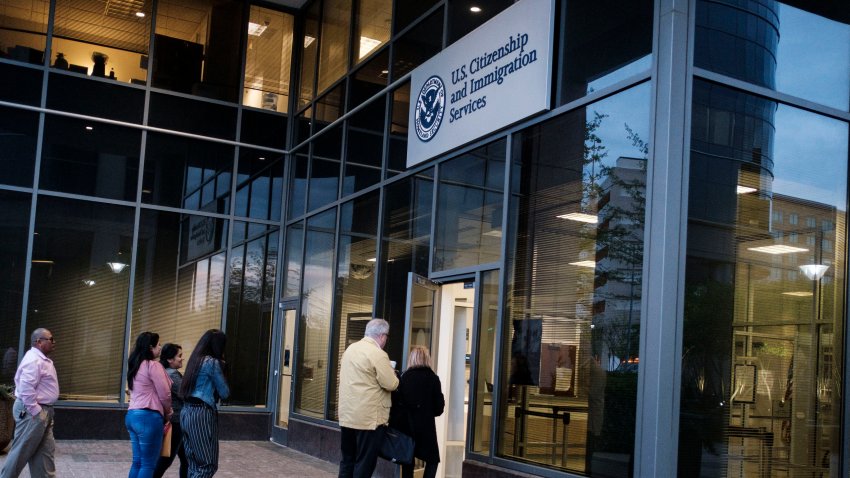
x,y
775,45
79,287
571,323
357,178
356,259
406,12
95,159
309,57
324,183
19,84
469,209
249,316
198,47
315,321
268,60
102,39
399,118
333,48
406,239
369,79
330,107
762,365
485,361
18,137
417,45
294,251
263,129
113,101
14,230
329,144
462,20
23,26
262,172
372,26
604,42
298,186
208,119
179,273
176,168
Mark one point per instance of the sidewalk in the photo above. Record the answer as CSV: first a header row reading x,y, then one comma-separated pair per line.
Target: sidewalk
x,y
244,459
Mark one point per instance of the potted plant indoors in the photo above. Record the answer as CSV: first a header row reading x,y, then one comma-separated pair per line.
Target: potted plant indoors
x,y
7,421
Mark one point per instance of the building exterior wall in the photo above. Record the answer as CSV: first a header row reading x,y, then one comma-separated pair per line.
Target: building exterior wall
x,y
229,165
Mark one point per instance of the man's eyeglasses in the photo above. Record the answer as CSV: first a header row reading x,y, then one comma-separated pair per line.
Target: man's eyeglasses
x,y
49,339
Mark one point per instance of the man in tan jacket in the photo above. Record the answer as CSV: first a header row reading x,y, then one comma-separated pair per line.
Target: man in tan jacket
x,y
366,380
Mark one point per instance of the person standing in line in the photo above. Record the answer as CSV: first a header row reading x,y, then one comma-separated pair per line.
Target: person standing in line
x,y
150,404
366,381
36,390
420,399
203,386
172,359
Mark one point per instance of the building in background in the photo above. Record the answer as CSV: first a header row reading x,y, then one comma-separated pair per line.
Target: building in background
x,y
647,277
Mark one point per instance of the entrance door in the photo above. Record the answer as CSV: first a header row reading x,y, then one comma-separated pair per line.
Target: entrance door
x,y
284,373
440,317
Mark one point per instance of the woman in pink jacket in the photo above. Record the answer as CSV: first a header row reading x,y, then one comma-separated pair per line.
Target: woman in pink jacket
x,y
150,404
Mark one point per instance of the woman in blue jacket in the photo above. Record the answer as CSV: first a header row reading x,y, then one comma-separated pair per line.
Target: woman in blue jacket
x,y
203,385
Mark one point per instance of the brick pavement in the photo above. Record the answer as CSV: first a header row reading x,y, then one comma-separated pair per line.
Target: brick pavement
x,y
243,459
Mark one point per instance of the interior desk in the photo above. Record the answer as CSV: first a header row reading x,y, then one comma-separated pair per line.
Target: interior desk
x,y
555,412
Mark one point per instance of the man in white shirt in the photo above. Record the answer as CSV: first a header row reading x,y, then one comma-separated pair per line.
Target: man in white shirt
x,y
36,389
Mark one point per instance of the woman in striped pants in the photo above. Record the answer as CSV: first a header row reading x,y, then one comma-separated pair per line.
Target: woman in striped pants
x,y
203,385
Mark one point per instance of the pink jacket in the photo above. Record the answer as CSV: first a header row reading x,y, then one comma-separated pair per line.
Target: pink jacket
x,y
151,389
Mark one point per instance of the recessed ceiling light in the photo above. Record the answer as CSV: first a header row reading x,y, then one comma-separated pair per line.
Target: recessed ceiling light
x,y
590,264
801,293
140,14
89,128
745,189
42,261
255,29
777,249
475,9
89,282
367,45
262,158
371,259
580,217
308,40
494,233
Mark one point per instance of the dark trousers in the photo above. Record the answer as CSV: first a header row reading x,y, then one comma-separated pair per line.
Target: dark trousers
x,y
176,450
430,470
359,452
200,439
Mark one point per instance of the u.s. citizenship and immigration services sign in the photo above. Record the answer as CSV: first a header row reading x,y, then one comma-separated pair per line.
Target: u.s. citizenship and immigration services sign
x,y
493,77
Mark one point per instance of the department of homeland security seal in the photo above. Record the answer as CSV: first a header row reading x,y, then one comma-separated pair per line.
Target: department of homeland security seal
x,y
429,108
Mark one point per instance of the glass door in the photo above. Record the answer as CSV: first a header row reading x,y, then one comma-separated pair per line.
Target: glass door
x,y
422,305
284,374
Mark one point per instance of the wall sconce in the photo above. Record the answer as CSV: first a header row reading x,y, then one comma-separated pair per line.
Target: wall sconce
x,y
116,267
814,271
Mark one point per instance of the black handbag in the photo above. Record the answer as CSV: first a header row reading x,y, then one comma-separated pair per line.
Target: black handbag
x,y
396,447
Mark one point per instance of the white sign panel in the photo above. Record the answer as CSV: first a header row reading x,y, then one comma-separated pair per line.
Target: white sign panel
x,y
493,77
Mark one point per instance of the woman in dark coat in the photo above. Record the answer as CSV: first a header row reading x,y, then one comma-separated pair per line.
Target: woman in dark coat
x,y
419,399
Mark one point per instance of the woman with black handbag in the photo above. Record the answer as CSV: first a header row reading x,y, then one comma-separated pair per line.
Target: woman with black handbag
x,y
420,399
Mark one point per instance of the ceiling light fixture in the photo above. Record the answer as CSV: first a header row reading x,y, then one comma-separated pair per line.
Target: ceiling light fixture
x,y
798,294
89,282
777,249
814,271
745,189
255,29
116,267
367,45
475,9
140,14
371,259
590,264
89,128
308,40
580,217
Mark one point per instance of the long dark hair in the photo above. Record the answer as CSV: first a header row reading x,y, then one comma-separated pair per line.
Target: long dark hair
x,y
169,351
141,352
210,345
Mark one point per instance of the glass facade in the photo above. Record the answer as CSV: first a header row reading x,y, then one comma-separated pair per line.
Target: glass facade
x,y
178,166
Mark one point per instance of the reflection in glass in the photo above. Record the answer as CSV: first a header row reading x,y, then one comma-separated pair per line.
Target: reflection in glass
x,y
372,26
197,47
268,60
249,314
23,26
406,238
95,159
309,56
20,84
463,20
294,251
102,39
485,361
355,278
208,119
469,209
604,42
114,101
365,135
18,136
417,45
333,48
778,46
572,307
14,230
297,186
178,299
330,107
763,326
187,173
324,183
264,129
370,79
400,109
406,12
75,294
259,184
314,325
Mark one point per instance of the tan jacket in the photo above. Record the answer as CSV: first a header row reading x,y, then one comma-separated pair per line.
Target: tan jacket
x,y
365,382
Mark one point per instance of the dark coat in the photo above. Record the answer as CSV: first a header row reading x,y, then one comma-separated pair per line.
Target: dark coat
x,y
417,401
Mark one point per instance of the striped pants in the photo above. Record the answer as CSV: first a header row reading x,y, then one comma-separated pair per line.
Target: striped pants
x,y
200,439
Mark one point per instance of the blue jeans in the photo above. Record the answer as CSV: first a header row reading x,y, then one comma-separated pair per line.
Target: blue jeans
x,y
146,430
